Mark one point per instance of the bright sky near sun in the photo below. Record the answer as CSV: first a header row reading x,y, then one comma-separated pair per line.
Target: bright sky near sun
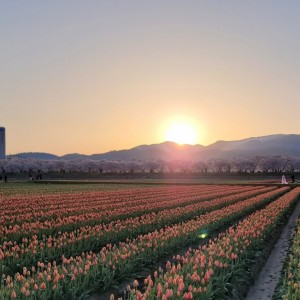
x,y
93,76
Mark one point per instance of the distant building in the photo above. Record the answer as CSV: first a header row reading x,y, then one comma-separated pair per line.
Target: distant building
x,y
2,143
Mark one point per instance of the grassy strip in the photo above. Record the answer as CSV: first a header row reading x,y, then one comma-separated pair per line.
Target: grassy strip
x,y
28,188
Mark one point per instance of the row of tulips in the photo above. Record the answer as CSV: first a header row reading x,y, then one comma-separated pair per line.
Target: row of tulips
x,y
289,287
209,271
107,214
14,256
49,206
68,205
52,202
74,276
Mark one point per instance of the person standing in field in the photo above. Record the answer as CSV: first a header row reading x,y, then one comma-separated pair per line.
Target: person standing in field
x,y
283,180
293,177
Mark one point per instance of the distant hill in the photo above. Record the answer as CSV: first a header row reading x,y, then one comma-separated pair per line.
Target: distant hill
x,y
164,151
279,144
35,155
74,156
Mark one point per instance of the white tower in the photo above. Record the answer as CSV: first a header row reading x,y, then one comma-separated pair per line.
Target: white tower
x,y
2,143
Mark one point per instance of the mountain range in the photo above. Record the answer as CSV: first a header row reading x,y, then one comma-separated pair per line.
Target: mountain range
x,y
278,144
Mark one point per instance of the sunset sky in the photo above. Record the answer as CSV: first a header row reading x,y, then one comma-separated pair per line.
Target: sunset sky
x,y
93,76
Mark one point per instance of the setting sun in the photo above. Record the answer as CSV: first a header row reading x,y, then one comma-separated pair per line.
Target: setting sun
x,y
181,133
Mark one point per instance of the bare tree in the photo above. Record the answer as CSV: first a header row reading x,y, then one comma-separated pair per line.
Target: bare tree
x,y
275,163
219,165
201,166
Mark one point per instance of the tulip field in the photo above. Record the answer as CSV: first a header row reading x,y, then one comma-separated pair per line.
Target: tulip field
x,y
64,242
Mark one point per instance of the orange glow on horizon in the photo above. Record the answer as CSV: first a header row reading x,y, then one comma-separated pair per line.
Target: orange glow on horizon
x,y
181,133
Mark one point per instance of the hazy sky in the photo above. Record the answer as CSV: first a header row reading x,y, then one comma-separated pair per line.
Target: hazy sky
x,y
93,76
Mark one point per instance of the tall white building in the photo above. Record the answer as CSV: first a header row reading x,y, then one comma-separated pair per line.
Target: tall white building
x,y
2,142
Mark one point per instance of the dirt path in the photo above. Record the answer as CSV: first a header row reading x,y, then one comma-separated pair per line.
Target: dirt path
x,y
265,285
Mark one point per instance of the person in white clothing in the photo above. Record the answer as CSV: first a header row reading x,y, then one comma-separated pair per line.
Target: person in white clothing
x,y
283,180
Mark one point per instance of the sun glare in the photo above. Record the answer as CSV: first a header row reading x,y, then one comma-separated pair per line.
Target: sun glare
x,y
181,133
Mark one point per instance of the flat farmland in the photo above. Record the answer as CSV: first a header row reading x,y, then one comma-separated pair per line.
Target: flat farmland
x,y
137,241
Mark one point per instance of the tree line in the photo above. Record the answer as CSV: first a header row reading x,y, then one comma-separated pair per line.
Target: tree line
x,y
258,163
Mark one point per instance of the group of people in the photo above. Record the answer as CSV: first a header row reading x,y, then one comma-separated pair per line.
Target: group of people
x,y
284,181
37,177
